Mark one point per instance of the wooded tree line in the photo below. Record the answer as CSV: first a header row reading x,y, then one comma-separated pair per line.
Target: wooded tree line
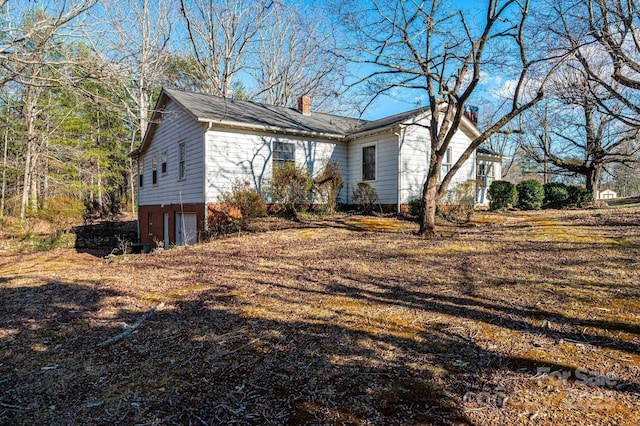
x,y
78,79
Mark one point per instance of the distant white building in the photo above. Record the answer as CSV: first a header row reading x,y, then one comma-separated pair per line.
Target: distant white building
x,y
606,194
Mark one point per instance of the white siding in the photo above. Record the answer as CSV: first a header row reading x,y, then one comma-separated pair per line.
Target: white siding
x,y
176,126
386,182
415,152
242,155
415,149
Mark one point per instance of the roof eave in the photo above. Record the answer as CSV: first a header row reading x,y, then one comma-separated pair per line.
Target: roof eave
x,y
490,156
271,129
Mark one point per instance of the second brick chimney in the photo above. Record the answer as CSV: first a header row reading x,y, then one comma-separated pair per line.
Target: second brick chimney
x,y
304,104
471,112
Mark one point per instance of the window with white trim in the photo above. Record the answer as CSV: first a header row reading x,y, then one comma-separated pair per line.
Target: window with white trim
x,y
182,161
154,170
486,173
141,173
164,162
446,163
283,152
369,163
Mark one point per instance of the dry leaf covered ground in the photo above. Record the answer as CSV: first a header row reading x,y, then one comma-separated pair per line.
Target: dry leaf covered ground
x,y
523,318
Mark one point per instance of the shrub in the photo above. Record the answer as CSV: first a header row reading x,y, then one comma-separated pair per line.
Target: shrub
x,y
502,194
530,195
365,196
459,200
416,205
328,185
62,212
225,218
245,197
289,186
579,196
556,195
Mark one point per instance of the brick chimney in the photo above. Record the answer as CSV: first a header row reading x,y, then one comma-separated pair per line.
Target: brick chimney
x,y
304,104
471,112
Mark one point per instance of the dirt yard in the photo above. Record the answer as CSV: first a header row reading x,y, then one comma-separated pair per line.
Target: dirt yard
x,y
522,318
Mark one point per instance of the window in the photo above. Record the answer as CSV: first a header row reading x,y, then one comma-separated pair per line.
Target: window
x,y
283,152
369,163
182,159
164,162
141,173
485,174
154,170
446,163
150,223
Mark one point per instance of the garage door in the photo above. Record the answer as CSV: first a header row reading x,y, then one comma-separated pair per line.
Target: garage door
x,y
186,229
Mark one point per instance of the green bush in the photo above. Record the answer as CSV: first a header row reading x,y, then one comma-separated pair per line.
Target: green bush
x,y
290,186
416,205
530,195
579,196
365,196
245,197
502,194
556,195
328,184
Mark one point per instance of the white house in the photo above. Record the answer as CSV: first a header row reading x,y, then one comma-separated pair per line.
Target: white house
x,y
606,194
197,146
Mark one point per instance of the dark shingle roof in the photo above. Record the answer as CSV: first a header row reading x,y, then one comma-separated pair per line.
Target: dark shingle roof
x,y
391,120
237,113
487,151
217,109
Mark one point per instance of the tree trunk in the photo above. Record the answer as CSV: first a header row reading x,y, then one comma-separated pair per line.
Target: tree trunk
x,y
4,170
30,156
430,202
28,180
132,178
592,178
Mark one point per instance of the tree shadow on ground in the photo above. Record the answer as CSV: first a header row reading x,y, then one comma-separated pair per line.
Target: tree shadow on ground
x,y
270,338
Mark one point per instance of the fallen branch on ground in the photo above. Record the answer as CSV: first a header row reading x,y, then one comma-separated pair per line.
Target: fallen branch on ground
x,y
246,345
132,328
14,407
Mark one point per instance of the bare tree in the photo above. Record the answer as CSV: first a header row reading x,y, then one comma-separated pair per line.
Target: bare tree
x,y
604,35
294,55
430,47
23,42
220,35
583,133
132,37
137,37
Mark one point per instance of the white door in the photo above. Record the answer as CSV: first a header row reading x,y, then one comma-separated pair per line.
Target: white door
x,y
186,230
166,231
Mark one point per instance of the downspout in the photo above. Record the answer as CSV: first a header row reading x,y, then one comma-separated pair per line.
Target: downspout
x,y
398,133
